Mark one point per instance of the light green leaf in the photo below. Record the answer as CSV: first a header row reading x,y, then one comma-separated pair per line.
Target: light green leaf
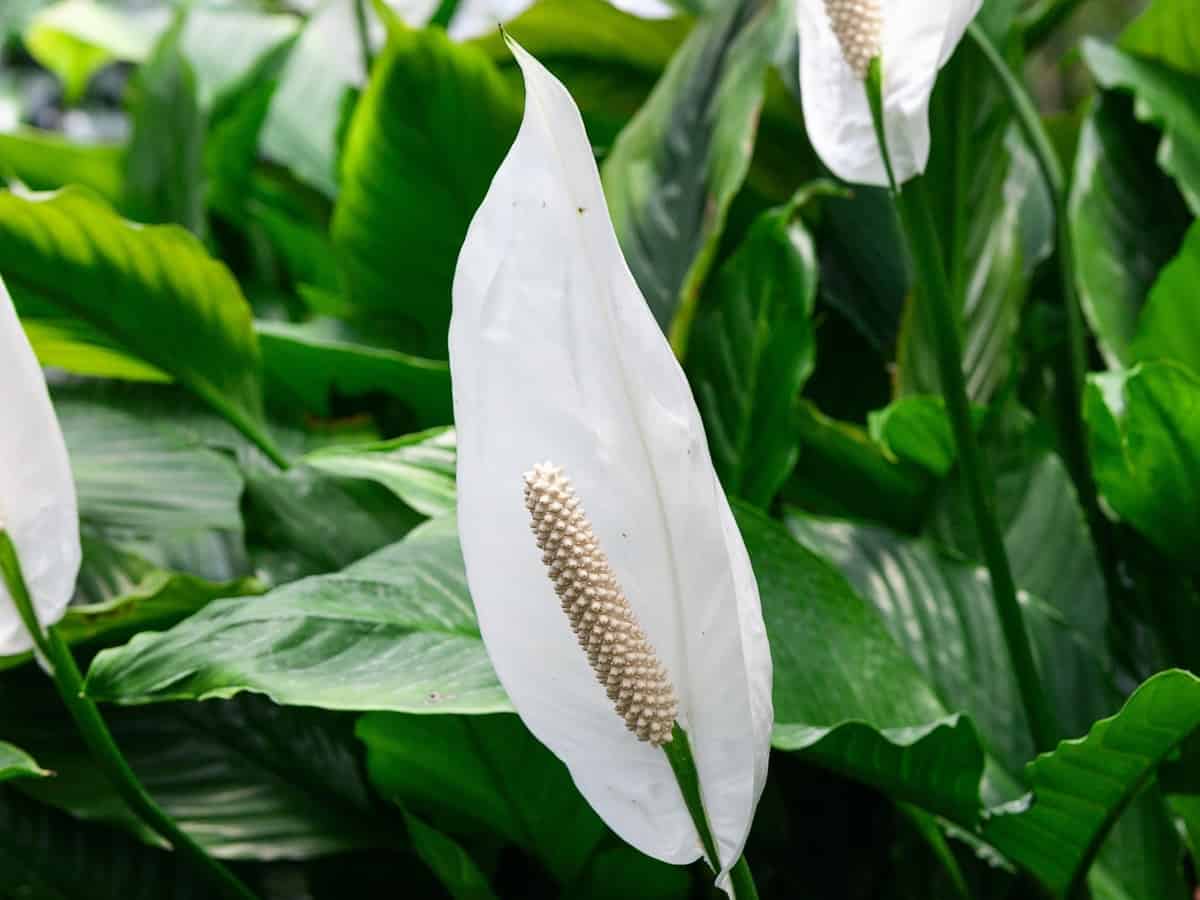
x,y
753,348
224,45
677,165
1081,787
75,38
306,364
44,160
477,774
1144,441
917,430
846,693
1164,97
1169,326
16,763
1167,30
418,468
396,631
428,134
152,291
1127,221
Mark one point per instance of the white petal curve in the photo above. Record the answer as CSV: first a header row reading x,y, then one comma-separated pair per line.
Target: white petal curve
x,y
918,39
37,492
555,356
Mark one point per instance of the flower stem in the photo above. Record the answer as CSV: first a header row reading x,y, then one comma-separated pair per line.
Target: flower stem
x,y
1072,377
69,682
683,764
444,14
937,302
364,36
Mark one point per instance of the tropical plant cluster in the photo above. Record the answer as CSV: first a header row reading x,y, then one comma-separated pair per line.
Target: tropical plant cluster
x,y
649,449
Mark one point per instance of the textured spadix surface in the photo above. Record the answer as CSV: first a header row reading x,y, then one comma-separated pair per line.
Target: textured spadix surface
x,y
555,355
916,38
37,494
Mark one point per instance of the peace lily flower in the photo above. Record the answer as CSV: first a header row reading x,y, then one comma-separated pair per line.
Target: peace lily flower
x,y
838,39
37,493
610,623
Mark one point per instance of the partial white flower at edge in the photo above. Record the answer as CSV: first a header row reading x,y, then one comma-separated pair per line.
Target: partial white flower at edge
x,y
37,493
555,356
916,39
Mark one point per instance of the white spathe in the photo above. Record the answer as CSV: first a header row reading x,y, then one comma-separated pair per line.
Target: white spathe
x,y
555,355
37,493
918,38
477,17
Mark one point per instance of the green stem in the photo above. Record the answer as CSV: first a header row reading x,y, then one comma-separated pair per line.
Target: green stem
x,y
444,14
1040,21
69,682
364,36
683,764
1072,375
937,301
252,430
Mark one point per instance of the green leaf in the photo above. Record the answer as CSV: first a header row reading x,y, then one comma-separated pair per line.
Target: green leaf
x,y
44,160
47,855
140,479
451,864
396,631
428,134
1169,326
75,38
152,291
477,774
164,166
306,364
917,430
608,59
620,872
1144,441
753,348
845,692
677,165
246,779
1081,787
1164,97
940,610
1127,221
417,468
1167,30
225,45
16,763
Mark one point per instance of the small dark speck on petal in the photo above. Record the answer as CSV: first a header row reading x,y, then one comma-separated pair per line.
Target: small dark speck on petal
x,y
433,697
581,210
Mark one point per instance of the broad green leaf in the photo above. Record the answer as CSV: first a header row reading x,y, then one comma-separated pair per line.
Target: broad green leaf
x,y
75,38
677,165
1127,220
1164,97
940,610
608,59
16,763
73,345
321,77
428,134
306,364
478,774
247,779
451,864
152,291
120,594
917,430
1169,326
164,165
621,872
140,479
1141,857
753,348
418,468
44,160
843,473
1167,30
845,692
1144,441
396,631
1079,789
48,855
